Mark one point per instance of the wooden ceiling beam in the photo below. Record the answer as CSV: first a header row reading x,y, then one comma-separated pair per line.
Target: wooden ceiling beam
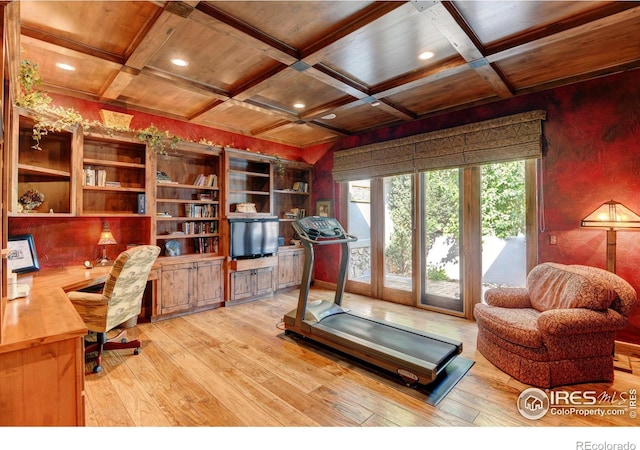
x,y
211,17
185,83
450,23
608,9
565,35
169,20
316,52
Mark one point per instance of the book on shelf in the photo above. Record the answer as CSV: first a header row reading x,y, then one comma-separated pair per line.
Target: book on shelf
x,y
205,245
193,210
200,227
301,186
210,180
94,177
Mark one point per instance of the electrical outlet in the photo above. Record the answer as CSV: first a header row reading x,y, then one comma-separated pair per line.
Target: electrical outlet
x,y
553,239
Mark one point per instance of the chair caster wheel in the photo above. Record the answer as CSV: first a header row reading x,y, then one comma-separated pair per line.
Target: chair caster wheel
x,y
97,369
136,351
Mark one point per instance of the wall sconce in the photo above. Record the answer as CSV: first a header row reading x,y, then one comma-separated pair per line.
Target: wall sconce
x,y
611,215
106,238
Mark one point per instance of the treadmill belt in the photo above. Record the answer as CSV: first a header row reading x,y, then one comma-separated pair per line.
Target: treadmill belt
x,y
422,347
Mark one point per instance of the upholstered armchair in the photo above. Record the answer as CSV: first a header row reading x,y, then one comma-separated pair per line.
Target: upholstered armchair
x,y
119,302
558,330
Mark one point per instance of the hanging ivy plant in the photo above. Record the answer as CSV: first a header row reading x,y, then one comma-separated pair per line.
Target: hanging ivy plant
x,y
46,117
279,166
156,139
56,118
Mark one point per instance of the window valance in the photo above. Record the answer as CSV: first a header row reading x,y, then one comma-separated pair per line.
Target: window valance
x,y
503,139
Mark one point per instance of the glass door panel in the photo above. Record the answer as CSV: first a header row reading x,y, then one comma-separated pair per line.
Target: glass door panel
x,y
359,225
398,233
441,285
503,203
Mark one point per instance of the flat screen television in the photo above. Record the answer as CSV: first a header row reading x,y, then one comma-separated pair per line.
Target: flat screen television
x,y
253,238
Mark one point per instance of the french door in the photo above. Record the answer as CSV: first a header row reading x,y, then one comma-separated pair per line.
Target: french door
x,y
437,239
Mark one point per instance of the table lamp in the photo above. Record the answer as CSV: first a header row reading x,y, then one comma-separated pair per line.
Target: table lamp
x,y
612,215
106,238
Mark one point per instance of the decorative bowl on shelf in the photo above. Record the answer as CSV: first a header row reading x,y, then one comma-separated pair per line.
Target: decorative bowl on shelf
x,y
31,200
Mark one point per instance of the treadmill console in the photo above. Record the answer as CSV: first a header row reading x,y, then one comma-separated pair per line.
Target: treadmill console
x,y
316,227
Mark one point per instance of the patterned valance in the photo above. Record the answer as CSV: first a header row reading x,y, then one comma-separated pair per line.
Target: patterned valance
x,y
508,138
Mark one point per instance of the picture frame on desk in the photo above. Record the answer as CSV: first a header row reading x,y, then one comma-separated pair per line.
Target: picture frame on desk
x,y
22,256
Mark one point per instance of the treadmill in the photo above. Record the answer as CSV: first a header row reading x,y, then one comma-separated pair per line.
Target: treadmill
x,y
416,356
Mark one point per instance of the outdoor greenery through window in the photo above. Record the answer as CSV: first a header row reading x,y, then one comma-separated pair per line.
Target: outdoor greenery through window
x,y
398,195
503,204
496,226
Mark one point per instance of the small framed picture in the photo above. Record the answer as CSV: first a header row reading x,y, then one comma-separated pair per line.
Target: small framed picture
x,y
323,208
302,213
22,256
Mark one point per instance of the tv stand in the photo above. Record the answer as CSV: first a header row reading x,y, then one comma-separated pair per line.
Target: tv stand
x,y
251,279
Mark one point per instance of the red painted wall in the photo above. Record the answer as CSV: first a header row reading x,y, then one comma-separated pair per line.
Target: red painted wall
x,y
64,241
591,154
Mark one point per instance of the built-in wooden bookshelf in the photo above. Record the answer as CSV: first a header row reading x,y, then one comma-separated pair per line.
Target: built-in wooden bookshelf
x,y
40,168
291,195
248,181
187,200
114,175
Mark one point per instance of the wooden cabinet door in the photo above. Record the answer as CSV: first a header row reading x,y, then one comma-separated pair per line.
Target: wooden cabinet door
x,y
177,288
285,270
241,284
264,281
298,267
209,283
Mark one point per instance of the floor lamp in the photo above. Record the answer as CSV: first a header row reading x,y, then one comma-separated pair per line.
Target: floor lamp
x,y
612,215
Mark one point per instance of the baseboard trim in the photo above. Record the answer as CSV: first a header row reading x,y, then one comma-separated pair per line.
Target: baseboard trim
x,y
324,285
627,348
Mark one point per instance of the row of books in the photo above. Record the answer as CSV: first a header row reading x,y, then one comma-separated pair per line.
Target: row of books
x,y
96,177
200,227
192,210
205,245
301,186
210,180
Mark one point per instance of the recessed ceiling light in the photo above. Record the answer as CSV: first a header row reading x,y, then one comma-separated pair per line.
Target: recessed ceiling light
x,y
376,103
299,105
329,116
65,66
426,55
179,62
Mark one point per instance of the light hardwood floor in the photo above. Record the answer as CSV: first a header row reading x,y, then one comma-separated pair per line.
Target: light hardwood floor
x,y
234,366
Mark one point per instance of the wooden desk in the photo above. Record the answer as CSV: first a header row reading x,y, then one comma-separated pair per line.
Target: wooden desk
x,y
42,350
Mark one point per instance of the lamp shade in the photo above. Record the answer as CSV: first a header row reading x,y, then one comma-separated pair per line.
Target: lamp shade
x,y
612,214
106,238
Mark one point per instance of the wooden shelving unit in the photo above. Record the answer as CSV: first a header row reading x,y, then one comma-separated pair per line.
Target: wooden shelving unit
x,y
115,174
186,209
291,195
49,171
248,180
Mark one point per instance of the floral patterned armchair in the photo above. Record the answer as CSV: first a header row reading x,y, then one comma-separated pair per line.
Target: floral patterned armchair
x,y
558,330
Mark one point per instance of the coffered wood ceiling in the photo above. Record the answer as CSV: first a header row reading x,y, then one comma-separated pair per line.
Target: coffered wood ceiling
x,y
250,61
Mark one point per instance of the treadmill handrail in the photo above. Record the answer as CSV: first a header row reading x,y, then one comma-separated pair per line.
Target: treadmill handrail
x,y
326,240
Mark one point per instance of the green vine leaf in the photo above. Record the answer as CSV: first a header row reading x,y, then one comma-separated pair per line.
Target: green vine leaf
x,y
56,118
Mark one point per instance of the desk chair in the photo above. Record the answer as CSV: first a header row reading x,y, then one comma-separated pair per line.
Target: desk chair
x,y
119,302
